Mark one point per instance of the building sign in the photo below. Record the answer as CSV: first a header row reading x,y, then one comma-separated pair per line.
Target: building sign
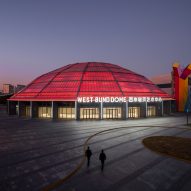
x,y
144,99
117,99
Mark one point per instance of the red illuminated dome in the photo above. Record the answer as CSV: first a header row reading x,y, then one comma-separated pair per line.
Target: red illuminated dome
x,y
88,79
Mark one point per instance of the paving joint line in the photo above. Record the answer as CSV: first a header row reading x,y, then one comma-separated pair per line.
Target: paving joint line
x,y
62,180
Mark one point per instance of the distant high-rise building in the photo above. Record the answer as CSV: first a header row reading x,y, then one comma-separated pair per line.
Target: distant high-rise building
x,y
8,89
19,87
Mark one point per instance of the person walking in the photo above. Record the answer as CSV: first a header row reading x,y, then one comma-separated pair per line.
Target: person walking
x,y
88,155
102,158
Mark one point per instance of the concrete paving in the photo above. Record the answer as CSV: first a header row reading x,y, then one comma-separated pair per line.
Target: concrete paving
x,y
35,153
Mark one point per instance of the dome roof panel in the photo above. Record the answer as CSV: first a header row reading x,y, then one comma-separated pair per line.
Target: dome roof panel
x,y
24,96
88,79
78,67
133,87
99,86
57,96
119,70
64,86
35,87
45,78
129,77
100,94
98,76
96,64
68,76
97,69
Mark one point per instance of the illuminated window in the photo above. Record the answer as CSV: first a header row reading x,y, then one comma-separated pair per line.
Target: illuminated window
x,y
44,112
66,112
17,109
151,111
27,111
89,113
134,112
112,113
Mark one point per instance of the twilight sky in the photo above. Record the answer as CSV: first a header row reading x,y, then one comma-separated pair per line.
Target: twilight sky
x,y
146,36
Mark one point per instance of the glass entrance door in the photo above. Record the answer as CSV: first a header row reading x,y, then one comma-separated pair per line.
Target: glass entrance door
x,y
27,111
44,112
151,111
66,112
89,113
134,112
112,113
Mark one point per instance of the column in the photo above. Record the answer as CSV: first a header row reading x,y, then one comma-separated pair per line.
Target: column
x,y
76,109
34,109
146,111
52,109
31,106
127,110
18,109
101,112
170,107
162,112
8,109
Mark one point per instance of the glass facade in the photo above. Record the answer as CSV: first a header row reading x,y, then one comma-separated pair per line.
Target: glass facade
x,y
73,110
66,112
151,111
27,111
112,113
44,112
134,112
89,113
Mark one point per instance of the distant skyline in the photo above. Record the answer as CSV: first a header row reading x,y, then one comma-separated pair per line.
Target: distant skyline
x,y
145,36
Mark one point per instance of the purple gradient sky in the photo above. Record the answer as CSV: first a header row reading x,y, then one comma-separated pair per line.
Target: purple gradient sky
x,y
145,36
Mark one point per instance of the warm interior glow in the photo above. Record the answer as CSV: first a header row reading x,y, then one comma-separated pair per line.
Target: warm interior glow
x,y
112,113
134,112
89,113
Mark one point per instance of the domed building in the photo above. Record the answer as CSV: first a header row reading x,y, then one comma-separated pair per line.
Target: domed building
x,y
90,90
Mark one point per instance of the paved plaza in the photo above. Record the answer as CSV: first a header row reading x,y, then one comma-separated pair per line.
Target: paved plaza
x,y
35,153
